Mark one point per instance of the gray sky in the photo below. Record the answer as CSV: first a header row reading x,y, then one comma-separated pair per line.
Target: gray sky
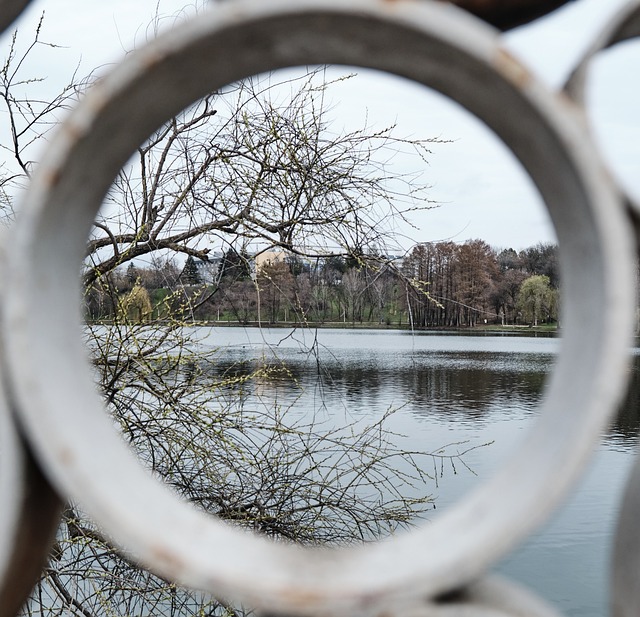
x,y
482,191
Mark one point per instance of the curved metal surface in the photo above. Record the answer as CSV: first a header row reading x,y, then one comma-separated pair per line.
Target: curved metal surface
x,y
492,596
29,512
11,479
625,572
29,508
10,10
625,568
624,26
509,14
75,443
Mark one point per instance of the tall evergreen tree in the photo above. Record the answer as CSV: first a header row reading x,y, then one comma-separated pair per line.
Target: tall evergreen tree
x,y
190,274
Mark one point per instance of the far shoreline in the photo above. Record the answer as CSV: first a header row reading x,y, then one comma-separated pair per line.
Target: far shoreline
x,y
551,330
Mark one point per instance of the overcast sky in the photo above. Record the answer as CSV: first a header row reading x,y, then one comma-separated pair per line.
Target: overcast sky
x,y
481,189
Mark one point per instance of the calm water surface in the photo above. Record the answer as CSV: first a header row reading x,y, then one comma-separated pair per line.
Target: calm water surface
x,y
447,389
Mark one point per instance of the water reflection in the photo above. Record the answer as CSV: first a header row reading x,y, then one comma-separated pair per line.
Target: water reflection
x,y
450,388
625,428
438,378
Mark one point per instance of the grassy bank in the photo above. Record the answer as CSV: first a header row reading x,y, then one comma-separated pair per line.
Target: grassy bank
x,y
550,329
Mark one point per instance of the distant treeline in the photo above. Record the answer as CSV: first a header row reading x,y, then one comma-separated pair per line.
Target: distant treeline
x,y
436,285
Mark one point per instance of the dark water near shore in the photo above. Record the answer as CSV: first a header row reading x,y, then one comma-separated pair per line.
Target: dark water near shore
x,y
449,389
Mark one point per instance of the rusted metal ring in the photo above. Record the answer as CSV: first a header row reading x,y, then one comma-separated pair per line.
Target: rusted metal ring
x,y
428,43
492,596
25,496
29,512
11,477
9,11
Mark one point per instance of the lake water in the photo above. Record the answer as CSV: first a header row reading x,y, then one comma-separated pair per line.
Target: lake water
x,y
454,388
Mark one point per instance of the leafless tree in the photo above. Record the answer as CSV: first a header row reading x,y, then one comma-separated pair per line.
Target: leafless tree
x,y
29,114
250,166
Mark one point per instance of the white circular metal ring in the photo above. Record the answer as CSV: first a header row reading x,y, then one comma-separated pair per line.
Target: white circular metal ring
x,y
624,26
51,380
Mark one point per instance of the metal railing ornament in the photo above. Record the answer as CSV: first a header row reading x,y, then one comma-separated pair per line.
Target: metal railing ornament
x,y
625,574
623,27
435,569
28,506
29,513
